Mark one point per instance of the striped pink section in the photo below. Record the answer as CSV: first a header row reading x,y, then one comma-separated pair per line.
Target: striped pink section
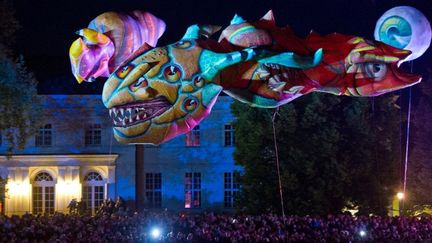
x,y
129,32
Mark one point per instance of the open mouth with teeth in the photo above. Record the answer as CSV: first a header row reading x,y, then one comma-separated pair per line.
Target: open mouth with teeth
x,y
130,114
276,75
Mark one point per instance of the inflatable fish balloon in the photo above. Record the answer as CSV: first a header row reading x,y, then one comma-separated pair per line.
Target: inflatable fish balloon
x,y
159,93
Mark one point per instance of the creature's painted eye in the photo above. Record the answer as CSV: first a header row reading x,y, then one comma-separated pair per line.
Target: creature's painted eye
x,y
198,81
124,71
172,73
190,104
375,70
140,83
183,44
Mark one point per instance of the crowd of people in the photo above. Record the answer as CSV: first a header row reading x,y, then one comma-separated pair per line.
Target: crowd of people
x,y
167,227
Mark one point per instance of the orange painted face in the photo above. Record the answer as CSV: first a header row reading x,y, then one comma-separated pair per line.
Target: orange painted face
x,y
159,94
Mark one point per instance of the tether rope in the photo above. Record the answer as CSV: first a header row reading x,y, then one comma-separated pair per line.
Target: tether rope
x,y
277,162
407,141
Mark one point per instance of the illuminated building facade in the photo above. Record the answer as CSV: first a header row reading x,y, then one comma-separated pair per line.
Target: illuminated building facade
x,y
74,156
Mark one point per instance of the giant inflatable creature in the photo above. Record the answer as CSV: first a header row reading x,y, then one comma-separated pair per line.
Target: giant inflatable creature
x,y
159,93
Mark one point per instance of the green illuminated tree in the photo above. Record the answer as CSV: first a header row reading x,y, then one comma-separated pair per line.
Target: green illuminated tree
x,y
332,150
419,179
19,104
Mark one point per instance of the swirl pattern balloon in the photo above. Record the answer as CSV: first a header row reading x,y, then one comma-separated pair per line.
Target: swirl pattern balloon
x,y
406,28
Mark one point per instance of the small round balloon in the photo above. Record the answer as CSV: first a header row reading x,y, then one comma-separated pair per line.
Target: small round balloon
x,y
406,28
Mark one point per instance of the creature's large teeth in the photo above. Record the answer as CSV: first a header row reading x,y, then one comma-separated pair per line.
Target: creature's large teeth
x,y
111,113
129,114
285,74
275,84
263,68
294,90
263,74
124,122
136,114
278,87
121,112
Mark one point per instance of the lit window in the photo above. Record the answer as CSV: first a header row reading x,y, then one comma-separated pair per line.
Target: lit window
x,y
93,192
44,136
231,188
154,190
229,138
43,194
93,134
193,137
192,190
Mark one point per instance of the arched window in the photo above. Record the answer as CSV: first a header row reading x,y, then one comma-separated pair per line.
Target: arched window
x,y
93,176
93,192
43,194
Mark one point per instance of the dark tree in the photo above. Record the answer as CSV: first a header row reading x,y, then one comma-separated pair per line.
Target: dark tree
x,y
19,104
372,149
419,179
333,150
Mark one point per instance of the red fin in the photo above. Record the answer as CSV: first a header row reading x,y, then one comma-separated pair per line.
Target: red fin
x,y
269,17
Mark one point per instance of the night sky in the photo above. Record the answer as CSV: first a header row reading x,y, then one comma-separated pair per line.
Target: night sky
x,y
48,26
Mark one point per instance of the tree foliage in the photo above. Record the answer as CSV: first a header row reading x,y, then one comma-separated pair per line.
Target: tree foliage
x,y
419,179
19,104
332,150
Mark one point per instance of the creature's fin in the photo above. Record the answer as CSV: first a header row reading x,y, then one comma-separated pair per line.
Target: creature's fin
x,y
269,17
291,60
196,31
237,20
221,61
92,37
